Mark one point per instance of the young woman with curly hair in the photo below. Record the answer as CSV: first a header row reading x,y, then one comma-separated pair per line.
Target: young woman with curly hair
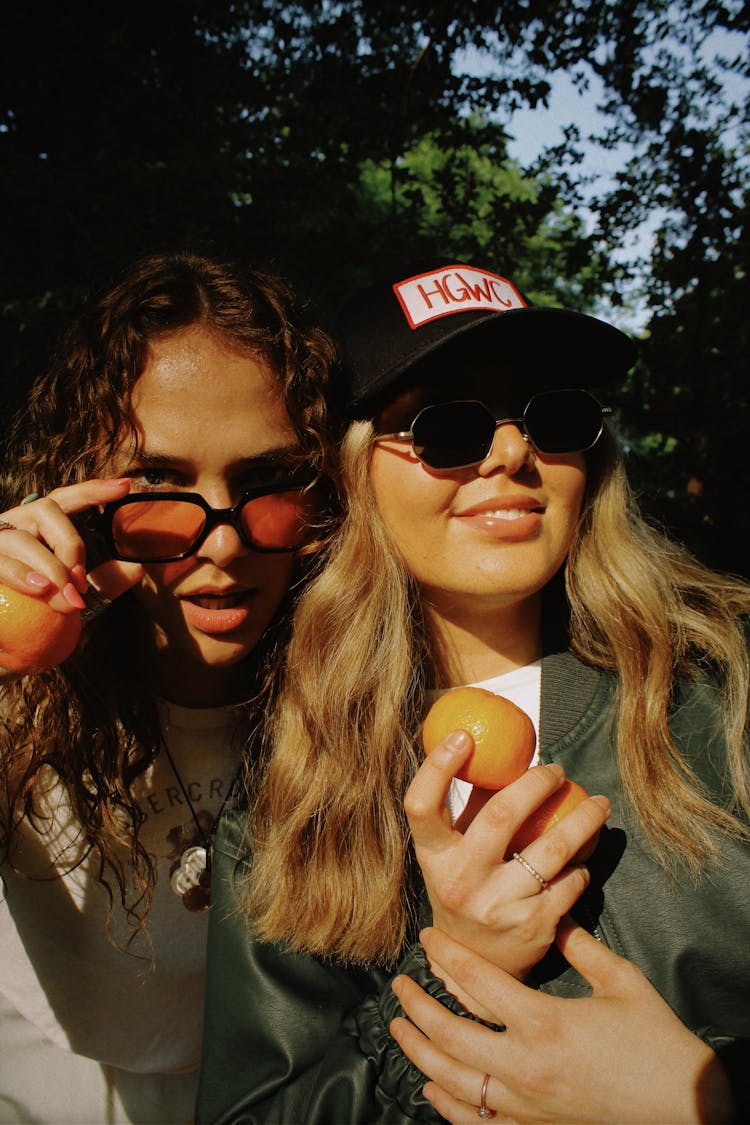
x,y
172,460
489,538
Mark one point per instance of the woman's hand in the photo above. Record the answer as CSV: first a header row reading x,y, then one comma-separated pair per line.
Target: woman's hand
x,y
620,1055
497,908
43,554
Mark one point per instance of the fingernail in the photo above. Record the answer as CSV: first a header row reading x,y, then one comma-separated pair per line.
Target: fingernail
x,y
603,803
72,596
556,770
38,581
78,574
458,740
396,986
118,480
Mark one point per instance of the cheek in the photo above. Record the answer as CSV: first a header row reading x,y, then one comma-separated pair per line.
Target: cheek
x,y
274,577
570,487
164,576
406,497
154,593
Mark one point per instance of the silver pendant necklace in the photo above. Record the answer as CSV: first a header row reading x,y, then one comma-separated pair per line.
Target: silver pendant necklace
x,y
192,879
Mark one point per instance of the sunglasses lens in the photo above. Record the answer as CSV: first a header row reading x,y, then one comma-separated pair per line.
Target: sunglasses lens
x,y
279,521
566,421
156,529
452,435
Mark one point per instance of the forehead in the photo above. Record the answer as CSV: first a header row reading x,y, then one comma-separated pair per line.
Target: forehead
x,y
195,364
200,395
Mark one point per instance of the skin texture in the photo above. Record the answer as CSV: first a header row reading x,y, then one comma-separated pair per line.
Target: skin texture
x,y
209,420
555,1060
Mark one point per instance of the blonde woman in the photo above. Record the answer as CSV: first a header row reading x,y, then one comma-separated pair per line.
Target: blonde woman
x,y
489,538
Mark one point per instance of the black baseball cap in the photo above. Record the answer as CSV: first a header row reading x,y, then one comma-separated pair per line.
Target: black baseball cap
x,y
390,326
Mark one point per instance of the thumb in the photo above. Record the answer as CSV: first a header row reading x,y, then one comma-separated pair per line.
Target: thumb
x,y
596,963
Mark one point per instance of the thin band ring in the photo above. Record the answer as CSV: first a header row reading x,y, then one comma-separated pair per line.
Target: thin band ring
x,y
543,884
5,526
484,1110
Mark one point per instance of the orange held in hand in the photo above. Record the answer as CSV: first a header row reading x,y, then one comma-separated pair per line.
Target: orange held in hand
x,y
34,637
504,736
563,801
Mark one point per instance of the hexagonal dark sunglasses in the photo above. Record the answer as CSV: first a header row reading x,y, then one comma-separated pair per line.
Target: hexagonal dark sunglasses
x,y
457,435
155,527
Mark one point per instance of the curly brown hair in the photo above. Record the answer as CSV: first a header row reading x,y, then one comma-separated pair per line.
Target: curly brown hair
x,y
93,720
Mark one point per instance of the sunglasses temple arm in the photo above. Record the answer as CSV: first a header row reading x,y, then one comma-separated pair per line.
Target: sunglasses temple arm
x,y
400,435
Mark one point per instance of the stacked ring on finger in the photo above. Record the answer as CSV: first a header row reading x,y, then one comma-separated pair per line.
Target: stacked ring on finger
x,y
543,884
5,526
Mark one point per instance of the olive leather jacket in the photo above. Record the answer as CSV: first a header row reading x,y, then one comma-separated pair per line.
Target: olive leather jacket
x,y
298,1040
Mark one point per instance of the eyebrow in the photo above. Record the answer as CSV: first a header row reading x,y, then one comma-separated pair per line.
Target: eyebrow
x,y
145,457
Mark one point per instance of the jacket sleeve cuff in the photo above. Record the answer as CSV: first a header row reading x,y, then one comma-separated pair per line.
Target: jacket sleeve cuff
x,y
400,1080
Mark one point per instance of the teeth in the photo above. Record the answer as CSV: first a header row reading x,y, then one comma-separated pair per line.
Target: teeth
x,y
508,513
214,601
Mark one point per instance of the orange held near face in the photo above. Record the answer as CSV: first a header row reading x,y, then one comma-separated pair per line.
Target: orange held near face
x,y
504,736
34,637
563,801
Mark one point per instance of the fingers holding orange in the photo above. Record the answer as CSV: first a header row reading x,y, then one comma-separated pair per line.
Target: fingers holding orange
x,y
558,837
507,808
551,811
28,567
504,743
33,635
503,734
424,801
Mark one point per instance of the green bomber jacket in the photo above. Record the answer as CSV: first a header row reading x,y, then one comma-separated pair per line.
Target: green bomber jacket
x,y
296,1040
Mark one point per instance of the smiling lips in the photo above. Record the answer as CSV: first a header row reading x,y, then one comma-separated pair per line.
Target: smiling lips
x,y
217,612
512,519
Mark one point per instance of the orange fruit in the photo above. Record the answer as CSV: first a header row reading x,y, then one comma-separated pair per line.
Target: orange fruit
x,y
34,637
504,736
563,801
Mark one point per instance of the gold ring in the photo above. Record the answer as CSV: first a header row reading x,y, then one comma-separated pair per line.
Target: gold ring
x,y
532,871
484,1110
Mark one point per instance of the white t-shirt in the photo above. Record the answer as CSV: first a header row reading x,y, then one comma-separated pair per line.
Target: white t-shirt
x,y
522,686
140,1010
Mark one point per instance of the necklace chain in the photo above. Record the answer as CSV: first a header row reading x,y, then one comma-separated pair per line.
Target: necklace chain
x,y
192,880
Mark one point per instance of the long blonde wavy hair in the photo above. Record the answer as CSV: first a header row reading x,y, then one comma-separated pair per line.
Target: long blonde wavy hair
x,y
331,871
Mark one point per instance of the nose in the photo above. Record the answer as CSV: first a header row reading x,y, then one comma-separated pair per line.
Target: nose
x,y
221,546
510,452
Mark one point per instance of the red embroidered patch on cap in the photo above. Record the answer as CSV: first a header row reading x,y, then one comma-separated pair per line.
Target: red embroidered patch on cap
x,y
455,289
